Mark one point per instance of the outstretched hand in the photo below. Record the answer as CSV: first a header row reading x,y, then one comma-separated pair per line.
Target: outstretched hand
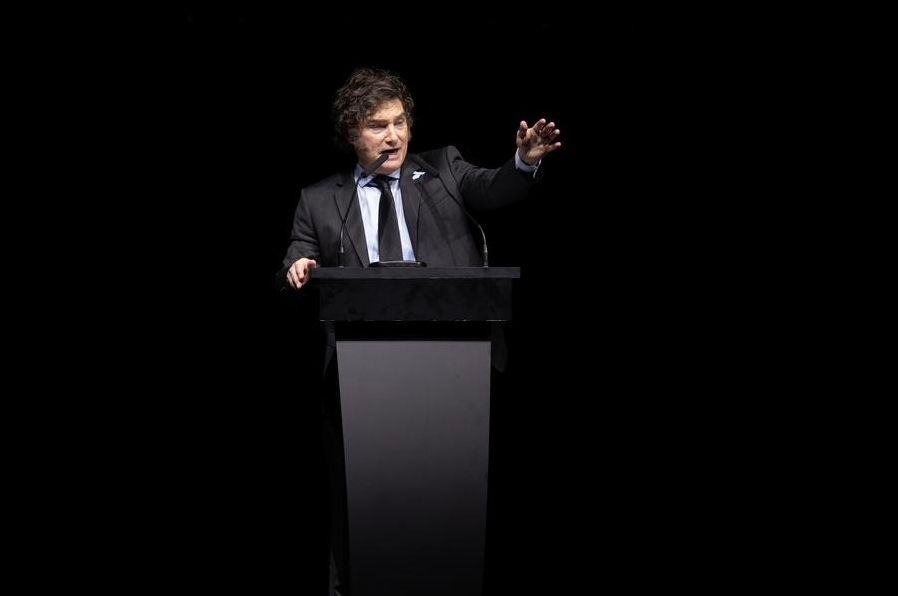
x,y
537,141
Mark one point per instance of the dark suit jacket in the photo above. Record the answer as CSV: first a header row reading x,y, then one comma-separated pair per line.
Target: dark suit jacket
x,y
439,229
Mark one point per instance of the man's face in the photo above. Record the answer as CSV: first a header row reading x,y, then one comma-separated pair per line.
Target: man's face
x,y
386,130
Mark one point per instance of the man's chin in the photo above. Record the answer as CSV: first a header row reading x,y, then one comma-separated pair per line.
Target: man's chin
x,y
392,164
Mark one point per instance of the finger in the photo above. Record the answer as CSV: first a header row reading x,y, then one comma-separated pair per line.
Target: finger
x,y
522,129
307,270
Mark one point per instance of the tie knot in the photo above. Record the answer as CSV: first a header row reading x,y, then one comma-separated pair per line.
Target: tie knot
x,y
381,181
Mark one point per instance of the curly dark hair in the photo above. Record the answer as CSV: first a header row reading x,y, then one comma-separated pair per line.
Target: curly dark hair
x,y
363,93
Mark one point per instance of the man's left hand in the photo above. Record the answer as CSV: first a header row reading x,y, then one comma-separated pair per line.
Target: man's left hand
x,y
537,141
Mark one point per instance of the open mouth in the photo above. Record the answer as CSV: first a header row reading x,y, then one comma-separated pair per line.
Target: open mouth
x,y
389,152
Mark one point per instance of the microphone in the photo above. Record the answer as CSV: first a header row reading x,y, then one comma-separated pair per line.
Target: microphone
x,y
366,171
372,167
433,172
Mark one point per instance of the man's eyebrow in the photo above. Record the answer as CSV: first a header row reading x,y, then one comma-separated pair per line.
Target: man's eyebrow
x,y
384,121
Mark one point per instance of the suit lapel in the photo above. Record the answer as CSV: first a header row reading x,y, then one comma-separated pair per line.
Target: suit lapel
x,y
411,201
344,198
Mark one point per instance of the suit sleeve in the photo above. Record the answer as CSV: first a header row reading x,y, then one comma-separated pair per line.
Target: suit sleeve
x,y
303,237
484,188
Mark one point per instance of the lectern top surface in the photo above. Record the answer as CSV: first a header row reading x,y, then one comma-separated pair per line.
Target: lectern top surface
x,y
416,273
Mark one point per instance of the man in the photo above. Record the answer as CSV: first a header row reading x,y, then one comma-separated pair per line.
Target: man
x,y
393,206
339,221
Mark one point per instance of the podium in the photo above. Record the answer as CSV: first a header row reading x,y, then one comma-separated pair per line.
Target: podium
x,y
413,348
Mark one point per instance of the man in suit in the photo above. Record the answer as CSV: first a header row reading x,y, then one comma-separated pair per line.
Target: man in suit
x,y
339,221
398,208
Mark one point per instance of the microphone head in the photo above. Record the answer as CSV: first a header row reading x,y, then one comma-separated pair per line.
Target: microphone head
x,y
372,167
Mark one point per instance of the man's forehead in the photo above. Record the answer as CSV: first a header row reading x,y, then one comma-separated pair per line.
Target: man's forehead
x,y
388,111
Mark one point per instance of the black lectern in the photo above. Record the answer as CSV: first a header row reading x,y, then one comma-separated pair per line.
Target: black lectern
x,y
413,353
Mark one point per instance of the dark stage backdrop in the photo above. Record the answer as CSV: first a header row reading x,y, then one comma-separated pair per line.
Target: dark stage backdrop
x,y
596,471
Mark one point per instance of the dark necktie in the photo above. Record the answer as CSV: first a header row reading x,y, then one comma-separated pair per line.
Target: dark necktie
x,y
388,244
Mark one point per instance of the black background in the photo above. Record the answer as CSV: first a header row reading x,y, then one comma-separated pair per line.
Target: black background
x,y
602,465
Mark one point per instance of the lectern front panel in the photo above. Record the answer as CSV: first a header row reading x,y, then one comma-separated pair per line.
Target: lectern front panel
x,y
416,442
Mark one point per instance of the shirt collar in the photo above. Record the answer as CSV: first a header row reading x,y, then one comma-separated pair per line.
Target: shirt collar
x,y
362,180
